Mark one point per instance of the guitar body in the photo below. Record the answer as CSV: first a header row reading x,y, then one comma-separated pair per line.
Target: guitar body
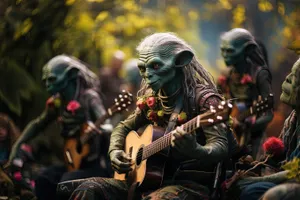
x,y
148,173
74,152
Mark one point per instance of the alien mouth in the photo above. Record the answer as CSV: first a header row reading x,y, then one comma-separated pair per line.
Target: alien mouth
x,y
152,83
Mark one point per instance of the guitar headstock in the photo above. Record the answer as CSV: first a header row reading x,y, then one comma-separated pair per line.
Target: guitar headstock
x,y
217,114
122,101
263,105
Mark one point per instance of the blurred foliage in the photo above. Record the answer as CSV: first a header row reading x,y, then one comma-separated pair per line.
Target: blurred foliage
x,y
36,30
293,167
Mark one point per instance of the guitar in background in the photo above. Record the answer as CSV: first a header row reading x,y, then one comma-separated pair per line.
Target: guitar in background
x,y
77,148
240,113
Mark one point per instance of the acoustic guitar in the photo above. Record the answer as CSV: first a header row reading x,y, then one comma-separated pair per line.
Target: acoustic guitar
x,y
149,150
77,148
241,133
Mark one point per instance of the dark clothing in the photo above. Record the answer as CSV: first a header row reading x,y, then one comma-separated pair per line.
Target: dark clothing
x,y
256,190
245,93
215,148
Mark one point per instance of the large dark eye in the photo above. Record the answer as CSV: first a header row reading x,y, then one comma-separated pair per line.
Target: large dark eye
x,y
155,66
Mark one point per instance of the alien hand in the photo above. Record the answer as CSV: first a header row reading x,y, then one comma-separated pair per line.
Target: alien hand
x,y
120,161
184,142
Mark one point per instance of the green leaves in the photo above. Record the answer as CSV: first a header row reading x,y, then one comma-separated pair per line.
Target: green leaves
x,y
15,84
294,169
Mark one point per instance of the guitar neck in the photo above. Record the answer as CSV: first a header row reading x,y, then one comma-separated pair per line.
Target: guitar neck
x,y
165,141
84,138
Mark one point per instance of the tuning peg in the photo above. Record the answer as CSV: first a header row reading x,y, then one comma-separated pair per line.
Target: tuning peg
x,y
117,103
122,100
125,96
129,102
123,91
219,117
116,100
120,95
124,105
230,105
127,109
223,103
210,120
220,107
119,108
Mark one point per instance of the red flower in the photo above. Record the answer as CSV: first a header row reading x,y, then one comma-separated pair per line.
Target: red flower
x,y
73,106
246,79
141,104
273,145
50,101
222,80
152,115
151,102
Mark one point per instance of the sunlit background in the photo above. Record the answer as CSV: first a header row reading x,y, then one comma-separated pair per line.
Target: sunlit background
x,y
33,31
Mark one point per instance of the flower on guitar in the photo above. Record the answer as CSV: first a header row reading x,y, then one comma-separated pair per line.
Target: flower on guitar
x,y
73,106
246,79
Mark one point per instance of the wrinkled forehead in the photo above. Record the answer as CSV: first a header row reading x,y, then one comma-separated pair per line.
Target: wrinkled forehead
x,y
235,40
149,51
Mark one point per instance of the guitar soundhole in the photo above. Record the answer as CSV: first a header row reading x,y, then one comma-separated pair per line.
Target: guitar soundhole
x,y
139,156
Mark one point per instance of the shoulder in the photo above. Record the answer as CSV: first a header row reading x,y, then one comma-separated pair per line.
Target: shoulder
x,y
90,94
207,97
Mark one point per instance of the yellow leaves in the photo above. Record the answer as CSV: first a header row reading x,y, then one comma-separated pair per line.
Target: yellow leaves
x,y
96,1
281,8
85,22
193,15
130,6
120,19
102,16
109,27
173,10
238,16
294,169
70,2
23,28
225,4
287,32
265,6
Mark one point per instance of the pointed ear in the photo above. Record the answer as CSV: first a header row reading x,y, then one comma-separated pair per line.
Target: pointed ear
x,y
183,58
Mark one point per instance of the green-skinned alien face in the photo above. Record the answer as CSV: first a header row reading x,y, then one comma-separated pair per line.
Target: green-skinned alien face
x,y
160,61
55,74
233,44
290,87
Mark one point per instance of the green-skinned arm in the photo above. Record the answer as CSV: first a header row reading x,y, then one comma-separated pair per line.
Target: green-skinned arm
x,y
264,87
136,120
32,130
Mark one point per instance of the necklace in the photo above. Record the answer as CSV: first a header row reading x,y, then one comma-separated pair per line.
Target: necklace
x,y
164,99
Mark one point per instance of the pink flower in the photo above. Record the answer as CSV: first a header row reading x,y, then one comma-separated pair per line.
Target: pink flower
x,y
151,102
73,106
273,145
18,176
222,80
182,117
32,183
246,79
26,147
